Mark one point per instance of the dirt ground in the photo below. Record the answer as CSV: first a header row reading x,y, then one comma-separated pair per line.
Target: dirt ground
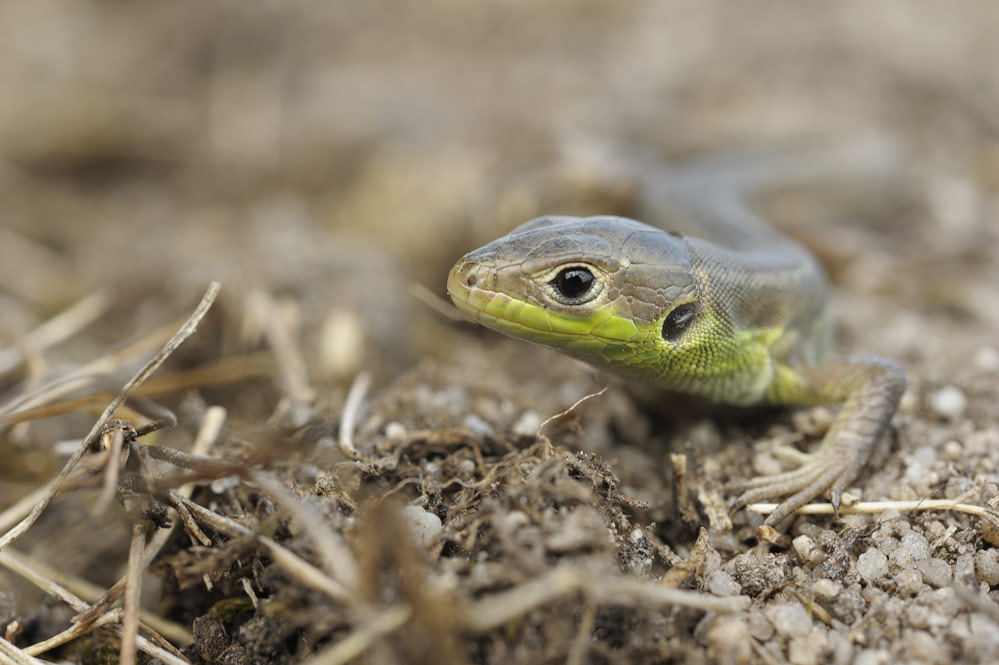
x,y
327,163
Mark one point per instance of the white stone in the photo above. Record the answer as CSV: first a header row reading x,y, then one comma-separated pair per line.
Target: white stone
x,y
527,424
949,402
790,619
424,526
872,565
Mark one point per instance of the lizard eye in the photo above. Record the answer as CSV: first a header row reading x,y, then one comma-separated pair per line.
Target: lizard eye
x,y
678,321
573,283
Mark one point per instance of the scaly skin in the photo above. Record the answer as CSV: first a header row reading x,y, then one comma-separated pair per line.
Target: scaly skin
x,y
740,321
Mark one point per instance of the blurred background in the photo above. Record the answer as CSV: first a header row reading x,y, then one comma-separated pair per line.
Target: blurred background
x,y
153,145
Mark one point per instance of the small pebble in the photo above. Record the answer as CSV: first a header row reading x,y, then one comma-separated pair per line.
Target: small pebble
x,y
889,516
873,657
808,551
949,402
918,616
935,572
807,650
527,424
908,582
841,647
952,450
220,485
395,431
924,647
705,435
814,422
423,526
987,566
789,619
872,565
477,425
728,640
983,637
990,530
341,344
987,359
721,583
466,468
964,569
912,548
826,588
761,629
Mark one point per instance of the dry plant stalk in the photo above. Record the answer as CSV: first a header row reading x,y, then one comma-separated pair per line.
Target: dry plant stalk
x,y
133,590
877,507
21,568
129,635
309,575
181,335
59,328
211,426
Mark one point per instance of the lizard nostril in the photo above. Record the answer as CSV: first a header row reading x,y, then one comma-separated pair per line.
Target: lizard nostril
x,y
472,279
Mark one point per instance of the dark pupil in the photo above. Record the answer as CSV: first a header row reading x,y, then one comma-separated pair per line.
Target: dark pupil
x,y
678,320
573,282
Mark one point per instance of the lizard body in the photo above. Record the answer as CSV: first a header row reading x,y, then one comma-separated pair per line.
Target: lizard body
x,y
730,310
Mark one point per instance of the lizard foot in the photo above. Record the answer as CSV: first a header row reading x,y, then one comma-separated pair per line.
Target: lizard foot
x,y
871,389
819,472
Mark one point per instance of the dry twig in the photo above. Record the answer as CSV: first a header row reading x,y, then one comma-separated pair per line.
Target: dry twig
x,y
498,609
207,434
361,639
21,567
302,570
57,329
351,408
133,590
181,335
875,507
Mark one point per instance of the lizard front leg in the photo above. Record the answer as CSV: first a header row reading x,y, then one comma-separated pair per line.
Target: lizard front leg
x,y
869,389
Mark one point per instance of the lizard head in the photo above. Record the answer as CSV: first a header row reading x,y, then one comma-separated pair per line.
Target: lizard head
x,y
611,291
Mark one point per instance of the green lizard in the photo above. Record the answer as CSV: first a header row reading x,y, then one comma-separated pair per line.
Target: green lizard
x,y
730,310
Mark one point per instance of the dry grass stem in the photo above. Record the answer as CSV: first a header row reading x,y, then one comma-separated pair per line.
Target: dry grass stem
x,y
112,466
875,507
91,592
18,566
133,593
190,525
432,300
303,571
208,434
250,593
11,655
60,327
363,638
500,608
558,416
584,635
102,600
13,514
336,558
211,426
74,631
351,409
280,320
181,335
88,375
227,370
